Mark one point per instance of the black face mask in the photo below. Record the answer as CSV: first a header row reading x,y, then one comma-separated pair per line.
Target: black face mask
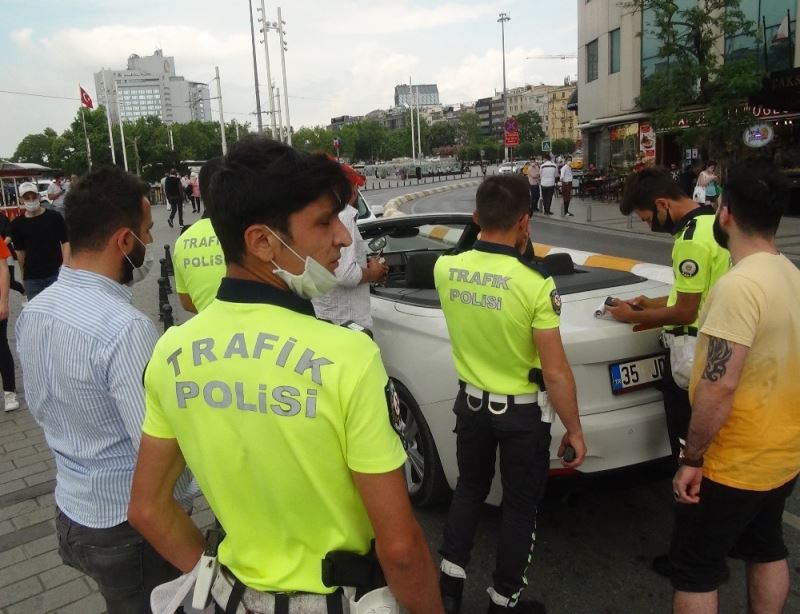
x,y
720,236
657,225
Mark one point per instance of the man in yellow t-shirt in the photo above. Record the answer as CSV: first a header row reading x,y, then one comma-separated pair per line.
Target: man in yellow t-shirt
x,y
197,258
503,316
742,456
282,418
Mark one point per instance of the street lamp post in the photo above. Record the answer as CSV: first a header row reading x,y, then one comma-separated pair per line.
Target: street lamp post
x,y
265,27
504,17
255,70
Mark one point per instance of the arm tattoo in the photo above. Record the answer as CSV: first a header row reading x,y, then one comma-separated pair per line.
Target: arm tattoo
x,y
719,353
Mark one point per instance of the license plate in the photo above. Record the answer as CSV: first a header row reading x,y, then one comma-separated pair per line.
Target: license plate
x,y
627,376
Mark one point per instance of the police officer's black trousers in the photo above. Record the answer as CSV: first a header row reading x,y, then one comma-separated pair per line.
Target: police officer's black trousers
x,y
524,442
677,409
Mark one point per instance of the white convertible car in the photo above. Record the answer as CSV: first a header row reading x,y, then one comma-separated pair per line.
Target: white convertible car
x,y
615,368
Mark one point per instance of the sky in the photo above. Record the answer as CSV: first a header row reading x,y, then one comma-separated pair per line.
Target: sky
x,y
344,57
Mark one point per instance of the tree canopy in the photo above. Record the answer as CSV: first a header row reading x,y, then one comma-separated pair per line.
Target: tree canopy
x,y
693,91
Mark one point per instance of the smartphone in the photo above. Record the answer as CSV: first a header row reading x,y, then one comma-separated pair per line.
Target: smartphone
x,y
611,302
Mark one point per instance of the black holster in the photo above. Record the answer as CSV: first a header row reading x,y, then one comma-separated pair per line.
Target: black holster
x,y
361,571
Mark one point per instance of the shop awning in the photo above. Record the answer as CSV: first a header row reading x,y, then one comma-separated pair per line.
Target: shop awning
x,y
780,91
22,169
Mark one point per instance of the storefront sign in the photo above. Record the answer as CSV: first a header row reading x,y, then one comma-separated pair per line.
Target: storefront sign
x,y
623,131
758,135
647,143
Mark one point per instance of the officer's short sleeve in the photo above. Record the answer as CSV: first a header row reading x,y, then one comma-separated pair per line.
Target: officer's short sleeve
x,y
155,420
546,306
372,445
733,309
691,262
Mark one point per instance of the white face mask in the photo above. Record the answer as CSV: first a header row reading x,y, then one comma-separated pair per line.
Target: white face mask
x,y
31,206
138,273
313,282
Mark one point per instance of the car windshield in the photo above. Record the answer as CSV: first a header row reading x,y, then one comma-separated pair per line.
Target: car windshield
x,y
435,237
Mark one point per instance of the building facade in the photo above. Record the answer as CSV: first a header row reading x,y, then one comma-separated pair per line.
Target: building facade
x,y
149,86
428,95
617,51
562,122
344,120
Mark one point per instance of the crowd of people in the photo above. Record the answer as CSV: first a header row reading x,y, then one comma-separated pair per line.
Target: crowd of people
x,y
274,393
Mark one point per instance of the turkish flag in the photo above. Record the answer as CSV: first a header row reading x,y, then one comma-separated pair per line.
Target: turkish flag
x,y
86,100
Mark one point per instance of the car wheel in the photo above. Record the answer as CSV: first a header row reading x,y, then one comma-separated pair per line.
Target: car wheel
x,y
423,470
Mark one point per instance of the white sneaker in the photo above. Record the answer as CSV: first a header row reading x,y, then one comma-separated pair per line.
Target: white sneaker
x,y
11,402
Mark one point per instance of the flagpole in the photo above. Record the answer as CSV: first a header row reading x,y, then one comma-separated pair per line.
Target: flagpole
x,y
86,136
108,120
121,128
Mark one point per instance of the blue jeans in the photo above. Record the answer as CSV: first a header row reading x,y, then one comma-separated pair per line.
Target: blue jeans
x,y
35,286
124,565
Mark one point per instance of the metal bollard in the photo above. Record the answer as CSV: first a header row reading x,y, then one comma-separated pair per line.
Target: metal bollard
x,y
163,292
167,255
589,213
163,263
166,317
630,221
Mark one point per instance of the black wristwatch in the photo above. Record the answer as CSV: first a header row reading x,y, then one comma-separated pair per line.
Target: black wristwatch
x,y
690,462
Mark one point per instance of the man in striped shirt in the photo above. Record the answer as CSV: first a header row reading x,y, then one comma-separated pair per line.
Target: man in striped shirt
x,y
83,349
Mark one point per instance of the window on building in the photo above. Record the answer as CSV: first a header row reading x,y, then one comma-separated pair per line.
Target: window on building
x,y
773,56
613,51
651,61
592,57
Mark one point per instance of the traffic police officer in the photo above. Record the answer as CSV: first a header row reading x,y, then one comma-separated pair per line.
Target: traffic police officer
x,y
281,417
197,258
698,262
502,314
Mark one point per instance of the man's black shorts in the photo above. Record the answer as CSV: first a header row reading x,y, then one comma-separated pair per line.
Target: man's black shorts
x,y
743,524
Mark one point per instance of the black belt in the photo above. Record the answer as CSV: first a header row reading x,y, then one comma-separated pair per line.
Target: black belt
x,y
683,330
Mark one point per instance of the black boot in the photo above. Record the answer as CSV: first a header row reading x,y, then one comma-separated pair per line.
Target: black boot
x,y
452,590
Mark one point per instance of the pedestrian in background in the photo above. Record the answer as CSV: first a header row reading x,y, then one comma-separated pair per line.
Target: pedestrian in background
x,y
56,193
533,183
83,348
5,236
566,187
742,455
548,175
708,184
6,357
40,240
195,192
173,190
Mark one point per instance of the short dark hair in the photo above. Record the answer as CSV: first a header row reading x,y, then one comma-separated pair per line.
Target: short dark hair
x,y
757,194
204,180
101,203
264,182
643,187
501,200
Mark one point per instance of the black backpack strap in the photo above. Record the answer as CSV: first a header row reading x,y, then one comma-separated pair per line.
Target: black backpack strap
x,y
235,598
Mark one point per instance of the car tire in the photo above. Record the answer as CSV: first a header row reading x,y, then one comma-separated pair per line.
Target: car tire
x,y
425,478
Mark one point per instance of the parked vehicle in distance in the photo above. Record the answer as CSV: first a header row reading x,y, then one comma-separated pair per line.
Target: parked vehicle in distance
x,y
506,168
615,369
